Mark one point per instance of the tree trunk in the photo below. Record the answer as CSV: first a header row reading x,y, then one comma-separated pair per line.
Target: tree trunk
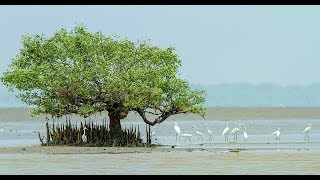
x,y
114,126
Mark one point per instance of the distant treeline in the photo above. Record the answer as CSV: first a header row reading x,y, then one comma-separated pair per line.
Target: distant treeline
x,y
261,95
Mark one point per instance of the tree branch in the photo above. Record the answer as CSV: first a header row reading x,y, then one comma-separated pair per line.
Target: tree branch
x,y
158,120
152,113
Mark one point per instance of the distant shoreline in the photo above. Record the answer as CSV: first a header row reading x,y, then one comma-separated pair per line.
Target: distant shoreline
x,y
212,113
263,113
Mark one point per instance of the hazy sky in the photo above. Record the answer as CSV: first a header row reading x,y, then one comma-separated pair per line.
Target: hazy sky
x,y
217,44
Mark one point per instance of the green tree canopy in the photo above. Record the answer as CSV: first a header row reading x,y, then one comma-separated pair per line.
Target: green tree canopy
x,y
79,72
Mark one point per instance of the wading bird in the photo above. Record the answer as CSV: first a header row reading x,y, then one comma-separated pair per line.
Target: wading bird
x,y
186,136
277,134
245,135
177,129
209,132
234,132
84,136
153,132
199,134
225,131
306,132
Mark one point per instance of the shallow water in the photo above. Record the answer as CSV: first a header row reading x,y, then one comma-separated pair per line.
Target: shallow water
x,y
259,131
195,162
262,154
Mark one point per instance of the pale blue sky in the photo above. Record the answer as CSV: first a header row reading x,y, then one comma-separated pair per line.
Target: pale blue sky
x,y
217,44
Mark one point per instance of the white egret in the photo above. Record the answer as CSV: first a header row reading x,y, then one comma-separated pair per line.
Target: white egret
x,y
277,134
84,136
199,134
153,132
186,136
234,132
306,132
177,129
209,132
245,135
153,135
225,131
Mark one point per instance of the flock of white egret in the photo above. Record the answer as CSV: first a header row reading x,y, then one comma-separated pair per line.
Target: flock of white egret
x,y
234,132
